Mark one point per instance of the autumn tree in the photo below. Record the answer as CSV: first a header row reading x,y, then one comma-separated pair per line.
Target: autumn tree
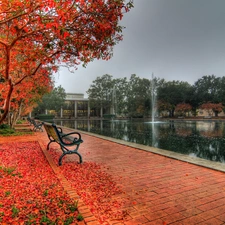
x,y
164,108
44,33
173,93
183,108
216,108
209,88
27,94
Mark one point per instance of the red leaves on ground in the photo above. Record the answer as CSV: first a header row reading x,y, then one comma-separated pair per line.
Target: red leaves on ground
x,y
95,187
29,191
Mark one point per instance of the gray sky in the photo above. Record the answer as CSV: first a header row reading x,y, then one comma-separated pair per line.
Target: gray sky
x,y
174,39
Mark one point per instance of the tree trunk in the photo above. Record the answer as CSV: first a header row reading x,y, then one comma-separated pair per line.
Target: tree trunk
x,y
7,103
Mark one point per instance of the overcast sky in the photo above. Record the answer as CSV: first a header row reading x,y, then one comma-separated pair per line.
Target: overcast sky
x,y
174,39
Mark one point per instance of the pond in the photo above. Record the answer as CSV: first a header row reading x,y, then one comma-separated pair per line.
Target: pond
x,y
203,139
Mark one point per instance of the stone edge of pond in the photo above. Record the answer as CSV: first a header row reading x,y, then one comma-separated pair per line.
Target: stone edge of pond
x,y
174,155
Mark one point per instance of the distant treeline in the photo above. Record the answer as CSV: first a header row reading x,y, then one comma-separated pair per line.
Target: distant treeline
x,y
133,97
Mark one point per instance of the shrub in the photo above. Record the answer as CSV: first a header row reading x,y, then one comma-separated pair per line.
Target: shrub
x,y
109,116
4,126
44,117
6,130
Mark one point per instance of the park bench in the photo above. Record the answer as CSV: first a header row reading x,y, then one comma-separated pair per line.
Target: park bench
x,y
66,141
29,120
37,125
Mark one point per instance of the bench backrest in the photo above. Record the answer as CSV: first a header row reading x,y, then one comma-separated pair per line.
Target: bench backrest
x,y
52,132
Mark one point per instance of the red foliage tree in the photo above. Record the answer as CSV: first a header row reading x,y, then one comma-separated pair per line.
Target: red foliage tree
x,y
183,108
212,107
163,107
26,94
40,34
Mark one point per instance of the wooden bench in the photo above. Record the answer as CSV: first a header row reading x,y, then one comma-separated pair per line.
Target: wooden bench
x,y
55,134
37,125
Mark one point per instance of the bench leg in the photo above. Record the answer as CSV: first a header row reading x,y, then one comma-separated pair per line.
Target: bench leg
x,y
49,144
67,153
38,128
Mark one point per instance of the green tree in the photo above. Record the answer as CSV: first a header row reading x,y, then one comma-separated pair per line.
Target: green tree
x,y
100,93
208,89
120,90
54,100
221,91
138,96
129,98
173,93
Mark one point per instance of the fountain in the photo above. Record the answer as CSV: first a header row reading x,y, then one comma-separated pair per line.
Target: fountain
x,y
153,98
153,95
114,101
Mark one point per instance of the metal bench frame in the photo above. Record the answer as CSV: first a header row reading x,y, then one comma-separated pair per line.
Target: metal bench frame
x,y
55,134
37,125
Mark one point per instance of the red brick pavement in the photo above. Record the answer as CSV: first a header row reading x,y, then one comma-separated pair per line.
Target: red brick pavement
x,y
157,189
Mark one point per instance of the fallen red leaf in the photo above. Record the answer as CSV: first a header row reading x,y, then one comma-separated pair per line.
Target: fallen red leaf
x,y
29,189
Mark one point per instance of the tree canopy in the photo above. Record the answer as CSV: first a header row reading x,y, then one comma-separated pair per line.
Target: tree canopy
x,y
42,34
133,96
54,100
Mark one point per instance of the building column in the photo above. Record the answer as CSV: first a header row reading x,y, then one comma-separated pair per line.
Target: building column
x,y
89,110
75,109
75,124
89,125
61,113
101,112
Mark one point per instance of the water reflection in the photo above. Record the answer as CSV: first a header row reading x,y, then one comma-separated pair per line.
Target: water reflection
x,y
196,138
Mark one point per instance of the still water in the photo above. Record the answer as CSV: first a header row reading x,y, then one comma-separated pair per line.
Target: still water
x,y
195,138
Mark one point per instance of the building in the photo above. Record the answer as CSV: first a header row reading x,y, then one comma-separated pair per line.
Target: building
x,y
76,106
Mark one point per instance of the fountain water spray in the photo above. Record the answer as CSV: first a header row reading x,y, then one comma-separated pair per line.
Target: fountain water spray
x,y
153,93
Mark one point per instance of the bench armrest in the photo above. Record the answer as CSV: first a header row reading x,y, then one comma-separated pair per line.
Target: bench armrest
x,y
64,135
71,138
59,129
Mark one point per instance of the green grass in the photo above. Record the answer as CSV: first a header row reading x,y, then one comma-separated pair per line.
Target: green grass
x,y
5,130
14,133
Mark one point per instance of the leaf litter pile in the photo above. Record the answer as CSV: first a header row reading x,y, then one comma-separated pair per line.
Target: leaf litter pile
x,y
29,191
95,187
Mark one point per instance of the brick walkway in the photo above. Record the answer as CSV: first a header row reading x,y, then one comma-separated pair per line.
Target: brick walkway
x,y
157,189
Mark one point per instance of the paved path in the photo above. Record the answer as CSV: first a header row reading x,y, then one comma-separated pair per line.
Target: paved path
x,y
161,190
157,189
